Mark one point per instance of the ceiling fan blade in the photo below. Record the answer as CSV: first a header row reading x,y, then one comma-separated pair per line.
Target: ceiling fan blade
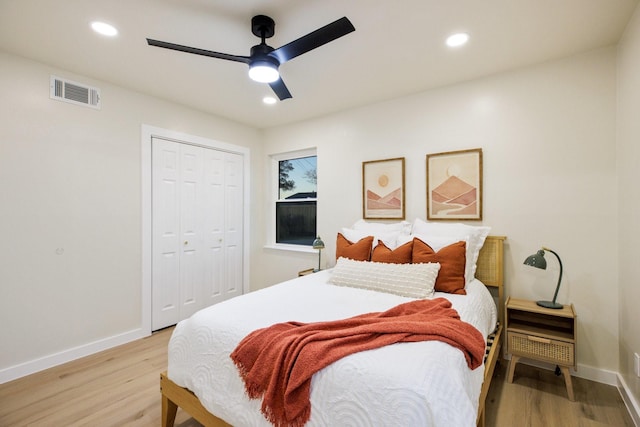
x,y
280,89
195,50
314,39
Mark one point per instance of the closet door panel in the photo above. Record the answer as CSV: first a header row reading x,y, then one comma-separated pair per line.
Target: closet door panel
x,y
191,231
214,226
165,234
234,214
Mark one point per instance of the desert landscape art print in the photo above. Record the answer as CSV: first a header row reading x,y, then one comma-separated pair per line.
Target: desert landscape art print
x,y
454,185
383,189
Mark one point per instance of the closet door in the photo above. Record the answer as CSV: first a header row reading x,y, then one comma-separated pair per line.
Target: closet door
x,y
234,215
197,221
165,259
223,252
214,201
191,174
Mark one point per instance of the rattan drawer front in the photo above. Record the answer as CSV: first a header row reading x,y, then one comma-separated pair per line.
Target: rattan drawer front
x,y
558,352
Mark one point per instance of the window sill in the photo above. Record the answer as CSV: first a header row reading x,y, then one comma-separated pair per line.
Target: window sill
x,y
292,248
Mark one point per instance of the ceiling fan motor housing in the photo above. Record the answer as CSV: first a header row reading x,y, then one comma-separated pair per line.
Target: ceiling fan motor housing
x,y
260,57
262,66
261,52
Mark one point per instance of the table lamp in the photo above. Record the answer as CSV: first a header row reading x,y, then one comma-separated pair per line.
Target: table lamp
x,y
319,245
538,261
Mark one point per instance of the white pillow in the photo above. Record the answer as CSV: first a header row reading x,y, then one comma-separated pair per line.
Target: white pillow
x,y
473,235
408,280
436,242
403,227
389,238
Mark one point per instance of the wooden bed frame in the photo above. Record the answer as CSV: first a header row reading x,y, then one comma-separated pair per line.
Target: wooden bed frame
x,y
489,271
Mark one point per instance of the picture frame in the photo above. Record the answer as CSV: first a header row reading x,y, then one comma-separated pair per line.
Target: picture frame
x,y
454,185
383,189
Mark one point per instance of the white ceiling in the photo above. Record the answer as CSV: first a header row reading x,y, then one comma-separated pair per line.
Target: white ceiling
x,y
397,49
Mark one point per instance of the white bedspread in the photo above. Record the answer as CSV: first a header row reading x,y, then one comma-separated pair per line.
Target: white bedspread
x,y
406,384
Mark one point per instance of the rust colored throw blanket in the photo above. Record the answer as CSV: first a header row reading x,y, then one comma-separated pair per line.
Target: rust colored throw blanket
x,y
278,362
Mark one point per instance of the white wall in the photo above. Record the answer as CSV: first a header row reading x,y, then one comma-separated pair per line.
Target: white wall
x,y
629,200
548,138
70,210
70,178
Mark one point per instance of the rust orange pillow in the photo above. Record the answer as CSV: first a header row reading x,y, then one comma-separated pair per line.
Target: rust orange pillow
x,y
400,255
359,251
452,261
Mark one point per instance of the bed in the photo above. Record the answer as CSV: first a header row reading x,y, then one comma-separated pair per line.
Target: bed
x,y
203,381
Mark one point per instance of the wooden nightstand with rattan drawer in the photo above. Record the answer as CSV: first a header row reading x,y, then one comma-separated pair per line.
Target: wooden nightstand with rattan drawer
x,y
542,334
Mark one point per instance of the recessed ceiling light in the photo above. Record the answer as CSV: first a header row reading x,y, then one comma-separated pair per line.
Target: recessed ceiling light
x,y
269,100
458,39
104,28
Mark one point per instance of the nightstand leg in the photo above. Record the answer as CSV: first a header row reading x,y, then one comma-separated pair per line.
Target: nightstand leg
x,y
512,367
568,383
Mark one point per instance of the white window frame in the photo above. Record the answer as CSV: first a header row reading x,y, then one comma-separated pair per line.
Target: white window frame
x,y
274,184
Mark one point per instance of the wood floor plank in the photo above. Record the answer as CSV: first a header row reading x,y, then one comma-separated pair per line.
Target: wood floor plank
x,y
120,387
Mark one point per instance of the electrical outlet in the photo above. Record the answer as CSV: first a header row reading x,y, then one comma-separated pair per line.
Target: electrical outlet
x,y
636,364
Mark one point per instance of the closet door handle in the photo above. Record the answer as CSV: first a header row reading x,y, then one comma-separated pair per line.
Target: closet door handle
x,y
186,242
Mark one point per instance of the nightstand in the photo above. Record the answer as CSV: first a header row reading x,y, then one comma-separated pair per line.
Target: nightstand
x,y
543,334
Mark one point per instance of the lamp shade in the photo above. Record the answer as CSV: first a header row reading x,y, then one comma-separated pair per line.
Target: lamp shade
x,y
318,243
538,261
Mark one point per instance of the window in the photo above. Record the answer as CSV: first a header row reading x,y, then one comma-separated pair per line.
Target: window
x,y
295,210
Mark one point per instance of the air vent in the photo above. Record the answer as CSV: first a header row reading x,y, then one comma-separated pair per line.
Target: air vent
x,y
74,93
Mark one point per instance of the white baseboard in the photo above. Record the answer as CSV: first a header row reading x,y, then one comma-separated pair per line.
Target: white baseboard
x,y
595,374
584,371
18,371
632,404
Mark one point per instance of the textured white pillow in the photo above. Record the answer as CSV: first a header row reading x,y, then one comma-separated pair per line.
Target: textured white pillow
x,y
473,235
408,280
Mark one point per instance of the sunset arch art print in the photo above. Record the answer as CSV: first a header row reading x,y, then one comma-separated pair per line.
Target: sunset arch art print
x,y
383,189
454,185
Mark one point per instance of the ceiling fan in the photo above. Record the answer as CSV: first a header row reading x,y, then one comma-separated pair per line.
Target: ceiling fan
x,y
264,60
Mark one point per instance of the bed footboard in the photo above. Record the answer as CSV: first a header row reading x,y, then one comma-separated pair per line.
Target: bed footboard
x,y
174,396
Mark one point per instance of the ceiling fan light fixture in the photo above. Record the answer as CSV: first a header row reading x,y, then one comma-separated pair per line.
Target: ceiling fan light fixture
x,y
263,72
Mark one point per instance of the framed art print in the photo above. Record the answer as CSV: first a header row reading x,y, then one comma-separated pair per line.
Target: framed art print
x,y
383,189
454,185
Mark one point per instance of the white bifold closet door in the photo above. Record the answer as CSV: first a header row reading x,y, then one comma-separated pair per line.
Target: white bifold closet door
x,y
197,217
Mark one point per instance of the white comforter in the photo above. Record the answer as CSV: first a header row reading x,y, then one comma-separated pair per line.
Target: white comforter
x,y
405,384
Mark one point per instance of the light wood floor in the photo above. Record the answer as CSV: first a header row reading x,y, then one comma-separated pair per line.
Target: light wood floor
x,y
538,398
119,387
